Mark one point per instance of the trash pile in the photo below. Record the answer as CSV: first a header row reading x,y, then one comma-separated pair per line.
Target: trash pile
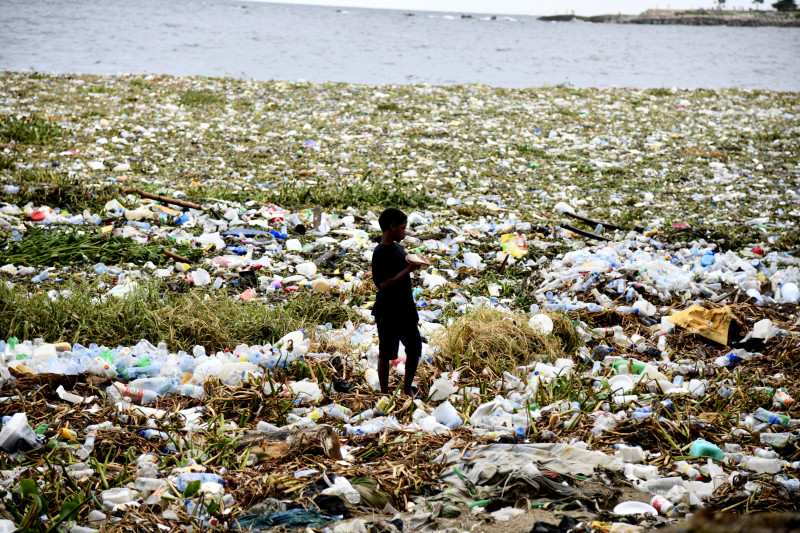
x,y
610,330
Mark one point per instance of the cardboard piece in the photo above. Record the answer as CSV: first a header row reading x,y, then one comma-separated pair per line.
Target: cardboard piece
x,y
712,324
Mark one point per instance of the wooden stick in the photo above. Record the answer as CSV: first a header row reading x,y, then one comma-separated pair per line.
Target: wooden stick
x,y
317,218
177,257
503,264
165,199
327,256
584,233
429,236
595,223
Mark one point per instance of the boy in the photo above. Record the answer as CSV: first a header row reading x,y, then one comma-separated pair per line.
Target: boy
x,y
395,311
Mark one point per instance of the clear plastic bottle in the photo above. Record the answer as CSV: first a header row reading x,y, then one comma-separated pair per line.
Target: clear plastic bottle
x,y
151,434
607,332
88,446
602,350
728,360
161,385
117,496
771,418
183,480
138,396
775,439
601,298
766,454
372,378
194,391
662,341
687,470
81,529
149,484
760,464
663,484
102,425
782,399
792,485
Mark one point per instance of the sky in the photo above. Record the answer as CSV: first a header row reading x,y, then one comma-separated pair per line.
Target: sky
x,y
534,7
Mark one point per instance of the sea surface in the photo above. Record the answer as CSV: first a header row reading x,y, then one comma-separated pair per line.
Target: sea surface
x,y
248,39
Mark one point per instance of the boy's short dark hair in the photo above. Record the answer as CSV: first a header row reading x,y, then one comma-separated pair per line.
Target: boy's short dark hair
x,y
390,216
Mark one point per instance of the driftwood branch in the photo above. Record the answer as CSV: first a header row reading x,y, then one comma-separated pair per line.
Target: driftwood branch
x,y
164,199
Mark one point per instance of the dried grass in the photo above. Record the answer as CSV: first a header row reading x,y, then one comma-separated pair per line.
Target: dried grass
x,y
486,338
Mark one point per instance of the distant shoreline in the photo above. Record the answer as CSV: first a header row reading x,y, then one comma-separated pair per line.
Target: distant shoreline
x,y
690,18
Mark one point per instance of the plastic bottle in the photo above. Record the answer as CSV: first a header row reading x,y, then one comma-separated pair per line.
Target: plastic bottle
x,y
645,308
148,465
101,367
688,470
183,480
161,385
602,350
195,391
662,341
663,484
678,511
792,485
138,396
661,504
151,434
775,439
88,446
766,454
782,399
601,298
760,464
149,484
624,399
102,425
372,378
727,360
607,332
771,418
117,496
41,277
790,293
698,387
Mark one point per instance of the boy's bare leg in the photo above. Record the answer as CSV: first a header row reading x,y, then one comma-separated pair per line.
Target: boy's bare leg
x,y
411,370
383,375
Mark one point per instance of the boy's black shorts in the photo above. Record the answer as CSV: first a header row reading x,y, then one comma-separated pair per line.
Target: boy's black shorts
x,y
391,333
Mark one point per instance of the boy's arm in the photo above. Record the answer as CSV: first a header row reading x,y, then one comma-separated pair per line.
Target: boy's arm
x,y
400,275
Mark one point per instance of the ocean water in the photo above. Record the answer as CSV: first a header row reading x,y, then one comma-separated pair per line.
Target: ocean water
x,y
289,42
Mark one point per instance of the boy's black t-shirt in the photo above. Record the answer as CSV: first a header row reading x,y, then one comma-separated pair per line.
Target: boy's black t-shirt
x,y
395,303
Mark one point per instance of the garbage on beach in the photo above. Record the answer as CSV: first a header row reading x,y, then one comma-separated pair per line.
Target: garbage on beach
x,y
191,359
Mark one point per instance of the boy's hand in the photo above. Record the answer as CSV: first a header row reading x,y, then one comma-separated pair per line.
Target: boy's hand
x,y
391,282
